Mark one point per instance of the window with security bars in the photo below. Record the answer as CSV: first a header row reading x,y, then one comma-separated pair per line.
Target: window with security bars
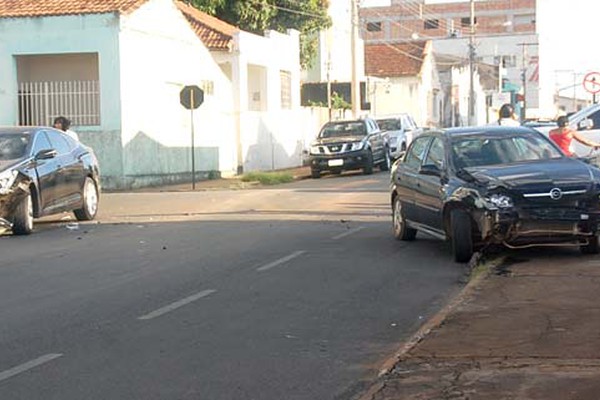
x,y
40,102
286,89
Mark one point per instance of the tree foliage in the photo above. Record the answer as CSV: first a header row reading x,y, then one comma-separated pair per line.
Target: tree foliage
x,y
306,16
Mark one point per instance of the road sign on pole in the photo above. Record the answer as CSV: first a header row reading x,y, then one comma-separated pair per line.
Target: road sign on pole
x,y
192,97
591,83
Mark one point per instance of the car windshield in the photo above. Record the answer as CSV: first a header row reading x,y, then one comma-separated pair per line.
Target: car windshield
x,y
13,146
483,150
388,124
339,129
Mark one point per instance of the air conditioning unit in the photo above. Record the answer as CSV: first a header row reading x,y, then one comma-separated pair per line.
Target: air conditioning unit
x,y
454,33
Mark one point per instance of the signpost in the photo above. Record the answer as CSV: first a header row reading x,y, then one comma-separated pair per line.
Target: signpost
x,y
591,83
192,97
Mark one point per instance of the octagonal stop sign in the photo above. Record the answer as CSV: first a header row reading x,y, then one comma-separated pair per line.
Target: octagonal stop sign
x,y
191,97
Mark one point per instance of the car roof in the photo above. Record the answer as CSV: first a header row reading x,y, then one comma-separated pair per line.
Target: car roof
x,y
491,130
7,130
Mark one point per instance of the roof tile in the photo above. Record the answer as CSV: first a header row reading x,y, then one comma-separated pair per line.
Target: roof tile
x,y
395,60
214,33
42,8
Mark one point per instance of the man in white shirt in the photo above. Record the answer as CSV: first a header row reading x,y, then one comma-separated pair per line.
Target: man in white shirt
x,y
63,124
507,116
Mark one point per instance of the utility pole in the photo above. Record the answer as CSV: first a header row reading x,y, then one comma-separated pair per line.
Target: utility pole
x,y
524,78
355,87
471,116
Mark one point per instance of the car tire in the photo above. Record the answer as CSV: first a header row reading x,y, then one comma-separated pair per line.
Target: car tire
x,y
400,229
462,235
386,163
90,201
315,173
368,168
592,247
23,218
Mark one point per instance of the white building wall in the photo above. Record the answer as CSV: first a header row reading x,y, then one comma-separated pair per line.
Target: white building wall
x,y
270,137
159,55
491,47
335,45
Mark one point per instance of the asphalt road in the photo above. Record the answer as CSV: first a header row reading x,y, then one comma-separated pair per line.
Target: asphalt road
x,y
296,292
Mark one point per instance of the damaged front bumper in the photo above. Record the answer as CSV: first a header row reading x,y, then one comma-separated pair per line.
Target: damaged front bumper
x,y
11,198
520,228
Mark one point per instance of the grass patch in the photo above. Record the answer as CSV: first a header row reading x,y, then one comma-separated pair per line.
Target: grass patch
x,y
268,178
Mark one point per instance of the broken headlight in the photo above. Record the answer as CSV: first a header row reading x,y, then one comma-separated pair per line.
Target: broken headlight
x,y
7,178
500,200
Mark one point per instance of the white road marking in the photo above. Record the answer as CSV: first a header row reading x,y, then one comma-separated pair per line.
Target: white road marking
x,y
19,369
348,233
281,261
177,304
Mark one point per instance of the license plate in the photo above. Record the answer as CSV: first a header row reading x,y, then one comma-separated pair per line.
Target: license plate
x,y
335,163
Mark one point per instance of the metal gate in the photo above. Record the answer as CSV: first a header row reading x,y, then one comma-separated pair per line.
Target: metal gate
x,y
41,102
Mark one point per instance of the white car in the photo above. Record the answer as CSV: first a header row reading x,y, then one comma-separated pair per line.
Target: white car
x,y
399,131
586,121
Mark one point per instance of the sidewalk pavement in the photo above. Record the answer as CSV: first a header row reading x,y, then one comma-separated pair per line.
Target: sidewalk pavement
x,y
230,183
527,329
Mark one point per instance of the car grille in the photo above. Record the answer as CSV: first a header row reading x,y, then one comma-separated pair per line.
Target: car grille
x,y
557,214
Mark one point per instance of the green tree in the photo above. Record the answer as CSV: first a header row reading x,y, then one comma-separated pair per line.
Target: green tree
x,y
306,16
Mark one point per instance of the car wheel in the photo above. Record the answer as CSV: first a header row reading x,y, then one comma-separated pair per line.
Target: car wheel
x,y
386,163
23,219
368,168
401,230
315,173
592,247
462,235
90,201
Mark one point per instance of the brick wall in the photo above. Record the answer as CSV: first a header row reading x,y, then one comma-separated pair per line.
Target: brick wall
x,y
406,19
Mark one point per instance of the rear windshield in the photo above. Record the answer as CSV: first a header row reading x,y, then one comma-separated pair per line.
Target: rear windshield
x,y
481,150
339,129
13,146
388,124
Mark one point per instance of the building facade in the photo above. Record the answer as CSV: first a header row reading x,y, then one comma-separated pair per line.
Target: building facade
x,y
505,36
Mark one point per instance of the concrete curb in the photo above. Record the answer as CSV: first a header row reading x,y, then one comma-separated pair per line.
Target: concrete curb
x,y
433,322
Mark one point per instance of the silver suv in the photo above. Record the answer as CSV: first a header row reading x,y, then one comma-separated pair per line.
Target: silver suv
x,y
399,130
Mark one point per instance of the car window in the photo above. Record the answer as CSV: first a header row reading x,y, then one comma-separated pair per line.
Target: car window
x,y
595,117
435,155
345,128
482,150
415,154
40,143
59,142
13,146
389,124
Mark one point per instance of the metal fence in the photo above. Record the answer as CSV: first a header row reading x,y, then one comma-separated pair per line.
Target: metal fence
x,y
41,102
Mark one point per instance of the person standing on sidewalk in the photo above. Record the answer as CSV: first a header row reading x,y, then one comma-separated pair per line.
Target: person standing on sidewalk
x,y
506,116
563,136
63,124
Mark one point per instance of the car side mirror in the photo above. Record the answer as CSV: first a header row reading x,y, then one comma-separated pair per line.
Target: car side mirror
x,y
46,154
430,169
585,124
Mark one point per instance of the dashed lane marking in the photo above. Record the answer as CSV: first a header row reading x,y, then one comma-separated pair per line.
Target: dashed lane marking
x,y
19,369
174,306
280,261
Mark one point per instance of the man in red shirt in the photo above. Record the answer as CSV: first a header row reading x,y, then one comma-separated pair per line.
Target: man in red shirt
x,y
563,136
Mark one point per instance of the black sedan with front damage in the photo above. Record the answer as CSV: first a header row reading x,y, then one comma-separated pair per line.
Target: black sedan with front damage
x,y
495,185
44,172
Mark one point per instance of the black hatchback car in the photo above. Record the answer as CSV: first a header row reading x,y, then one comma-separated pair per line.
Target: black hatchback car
x,y
349,145
495,185
42,172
